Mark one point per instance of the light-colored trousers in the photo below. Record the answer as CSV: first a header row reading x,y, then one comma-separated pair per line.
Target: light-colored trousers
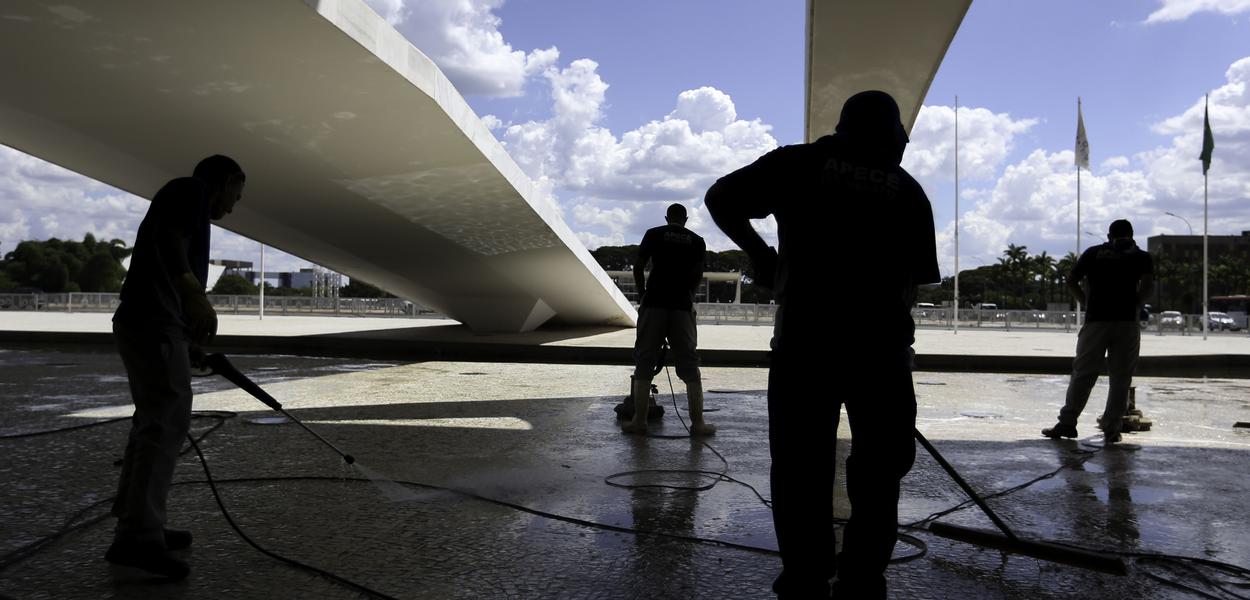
x,y
159,371
1119,342
678,326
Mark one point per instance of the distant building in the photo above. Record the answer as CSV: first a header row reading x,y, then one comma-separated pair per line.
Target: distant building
x,y
233,267
1188,248
218,267
301,279
323,282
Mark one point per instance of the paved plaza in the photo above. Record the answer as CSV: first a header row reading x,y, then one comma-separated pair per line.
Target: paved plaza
x,y
491,479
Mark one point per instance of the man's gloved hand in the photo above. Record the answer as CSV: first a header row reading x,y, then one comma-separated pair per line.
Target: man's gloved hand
x,y
200,314
764,268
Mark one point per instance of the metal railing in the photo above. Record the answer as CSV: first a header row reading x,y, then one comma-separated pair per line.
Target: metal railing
x,y
995,318
708,312
226,304
751,314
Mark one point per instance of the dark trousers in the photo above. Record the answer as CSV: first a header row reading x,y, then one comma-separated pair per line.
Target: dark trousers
x,y
805,395
159,371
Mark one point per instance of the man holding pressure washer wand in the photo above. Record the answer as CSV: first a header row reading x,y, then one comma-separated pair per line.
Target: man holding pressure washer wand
x,y
666,312
163,319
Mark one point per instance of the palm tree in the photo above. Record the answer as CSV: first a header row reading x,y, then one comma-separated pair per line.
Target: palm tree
x,y
1016,261
1045,266
118,249
1062,269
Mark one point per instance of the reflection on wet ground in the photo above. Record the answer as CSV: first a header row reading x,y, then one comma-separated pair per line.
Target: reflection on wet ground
x,y
543,438
59,381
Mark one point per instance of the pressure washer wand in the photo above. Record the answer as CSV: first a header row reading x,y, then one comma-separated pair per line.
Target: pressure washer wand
x,y
985,508
1008,541
218,364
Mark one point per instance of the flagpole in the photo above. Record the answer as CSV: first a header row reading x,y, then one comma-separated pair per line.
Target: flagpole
x,y
1078,212
262,280
957,215
1206,317
1208,146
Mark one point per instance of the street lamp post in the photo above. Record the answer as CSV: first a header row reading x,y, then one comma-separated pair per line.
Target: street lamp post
x,y
1191,228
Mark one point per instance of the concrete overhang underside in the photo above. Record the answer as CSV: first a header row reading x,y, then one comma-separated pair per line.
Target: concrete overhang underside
x,y
361,155
891,45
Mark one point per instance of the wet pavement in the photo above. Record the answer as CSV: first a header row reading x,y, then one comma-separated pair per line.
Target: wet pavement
x,y
505,493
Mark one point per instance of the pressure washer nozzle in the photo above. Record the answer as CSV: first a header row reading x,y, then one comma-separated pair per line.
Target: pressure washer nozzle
x,y
349,459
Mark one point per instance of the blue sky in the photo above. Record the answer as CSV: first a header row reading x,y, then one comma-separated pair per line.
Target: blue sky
x,y
651,51
1140,68
1032,59
616,109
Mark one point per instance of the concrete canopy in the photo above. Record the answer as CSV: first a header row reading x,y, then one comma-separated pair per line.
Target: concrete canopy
x,y
891,45
361,155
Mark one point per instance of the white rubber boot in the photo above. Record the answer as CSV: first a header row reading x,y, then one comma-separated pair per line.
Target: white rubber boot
x,y
694,402
641,392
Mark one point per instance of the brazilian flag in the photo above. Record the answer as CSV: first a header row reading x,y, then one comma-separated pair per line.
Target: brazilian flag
x,y
1208,141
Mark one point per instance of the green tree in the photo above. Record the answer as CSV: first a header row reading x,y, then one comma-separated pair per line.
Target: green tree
x,y
26,263
102,273
616,258
1044,265
233,285
56,266
1063,269
1230,275
1178,284
979,285
53,277
1015,275
118,249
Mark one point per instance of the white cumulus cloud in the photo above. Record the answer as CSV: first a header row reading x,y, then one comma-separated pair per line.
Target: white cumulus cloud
x,y
617,186
1179,10
462,37
42,201
1033,201
985,140
705,109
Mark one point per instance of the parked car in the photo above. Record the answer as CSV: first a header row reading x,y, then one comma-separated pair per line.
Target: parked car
x,y
1171,319
989,310
1221,321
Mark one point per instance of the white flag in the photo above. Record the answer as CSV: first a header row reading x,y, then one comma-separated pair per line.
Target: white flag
x,y
1082,144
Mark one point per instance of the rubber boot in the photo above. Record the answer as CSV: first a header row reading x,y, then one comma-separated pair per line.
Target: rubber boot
x,y
694,402
640,389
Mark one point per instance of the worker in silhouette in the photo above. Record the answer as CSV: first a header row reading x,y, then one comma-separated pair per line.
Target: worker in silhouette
x,y
1118,277
856,238
666,312
164,316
